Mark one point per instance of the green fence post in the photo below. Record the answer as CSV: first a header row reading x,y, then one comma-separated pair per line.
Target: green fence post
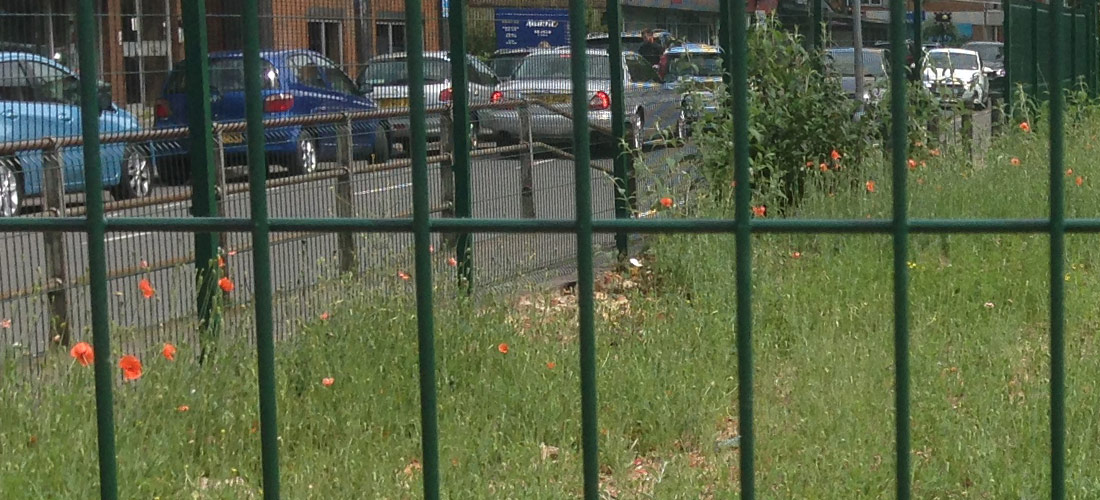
x,y
917,51
261,250
1033,64
204,201
817,29
585,275
1010,87
1057,260
97,251
460,152
621,165
899,158
422,236
739,77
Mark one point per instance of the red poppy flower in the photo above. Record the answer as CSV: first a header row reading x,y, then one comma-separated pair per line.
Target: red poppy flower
x,y
1025,127
221,262
1069,172
934,152
325,316
912,164
835,155
226,284
1015,162
824,167
144,264
666,202
183,408
809,164
796,255
452,262
760,211
146,288
169,352
1079,181
403,275
503,348
5,323
870,186
82,352
131,367
550,365
328,381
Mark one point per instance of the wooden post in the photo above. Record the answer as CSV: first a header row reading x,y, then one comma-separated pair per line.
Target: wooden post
x,y
345,202
446,172
526,165
57,293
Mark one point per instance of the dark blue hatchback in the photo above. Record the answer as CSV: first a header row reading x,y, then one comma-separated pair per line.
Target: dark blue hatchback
x,y
295,83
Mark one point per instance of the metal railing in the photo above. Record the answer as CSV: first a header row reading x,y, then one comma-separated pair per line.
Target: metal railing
x,y
733,36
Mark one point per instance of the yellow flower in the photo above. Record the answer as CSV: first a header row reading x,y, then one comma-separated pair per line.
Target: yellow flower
x,y
912,265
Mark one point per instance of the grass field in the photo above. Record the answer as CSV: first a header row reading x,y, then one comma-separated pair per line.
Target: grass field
x,y
510,422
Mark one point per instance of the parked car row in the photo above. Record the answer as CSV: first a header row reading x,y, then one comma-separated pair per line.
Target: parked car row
x,y
40,98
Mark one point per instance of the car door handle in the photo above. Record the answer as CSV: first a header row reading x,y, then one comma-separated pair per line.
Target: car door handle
x,y
9,114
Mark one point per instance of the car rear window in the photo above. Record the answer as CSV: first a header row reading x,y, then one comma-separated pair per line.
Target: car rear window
x,y
505,66
695,64
396,72
542,66
226,75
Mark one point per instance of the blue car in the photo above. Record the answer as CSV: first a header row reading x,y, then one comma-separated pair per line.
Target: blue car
x,y
41,98
295,83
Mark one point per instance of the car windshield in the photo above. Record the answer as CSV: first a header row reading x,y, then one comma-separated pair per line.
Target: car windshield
x,y
844,63
630,43
543,66
226,75
396,72
989,53
947,60
694,64
505,66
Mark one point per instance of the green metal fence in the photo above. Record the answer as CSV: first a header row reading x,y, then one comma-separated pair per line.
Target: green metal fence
x,y
1032,44
261,226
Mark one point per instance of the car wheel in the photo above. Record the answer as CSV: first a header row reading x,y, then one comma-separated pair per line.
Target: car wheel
x,y
304,160
381,151
636,131
11,189
137,176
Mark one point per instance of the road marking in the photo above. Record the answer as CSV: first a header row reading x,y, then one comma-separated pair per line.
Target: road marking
x,y
542,162
384,189
126,237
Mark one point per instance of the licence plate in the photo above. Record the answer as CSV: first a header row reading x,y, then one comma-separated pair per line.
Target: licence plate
x,y
393,103
553,98
233,138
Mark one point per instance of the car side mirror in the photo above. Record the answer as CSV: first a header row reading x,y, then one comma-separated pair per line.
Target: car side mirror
x,y
106,99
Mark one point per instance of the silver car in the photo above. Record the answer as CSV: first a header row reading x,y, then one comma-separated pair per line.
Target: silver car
x,y
385,79
544,76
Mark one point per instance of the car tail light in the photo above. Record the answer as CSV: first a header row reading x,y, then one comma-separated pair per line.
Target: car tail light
x,y
496,97
163,110
445,95
600,101
278,103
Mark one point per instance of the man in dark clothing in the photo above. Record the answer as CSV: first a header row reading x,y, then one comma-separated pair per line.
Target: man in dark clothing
x,y
650,50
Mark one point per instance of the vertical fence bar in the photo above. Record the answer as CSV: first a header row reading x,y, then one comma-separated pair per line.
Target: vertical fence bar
x,y
199,119
526,165
460,163
261,250
585,283
917,50
418,149
97,251
221,194
622,158
345,200
53,199
1057,259
739,77
446,170
1033,64
899,145
817,29
1009,88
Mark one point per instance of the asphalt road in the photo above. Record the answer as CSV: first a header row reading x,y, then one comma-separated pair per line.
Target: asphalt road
x,y
301,264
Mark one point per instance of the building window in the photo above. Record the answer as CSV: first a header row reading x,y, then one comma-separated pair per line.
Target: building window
x,y
326,37
389,37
